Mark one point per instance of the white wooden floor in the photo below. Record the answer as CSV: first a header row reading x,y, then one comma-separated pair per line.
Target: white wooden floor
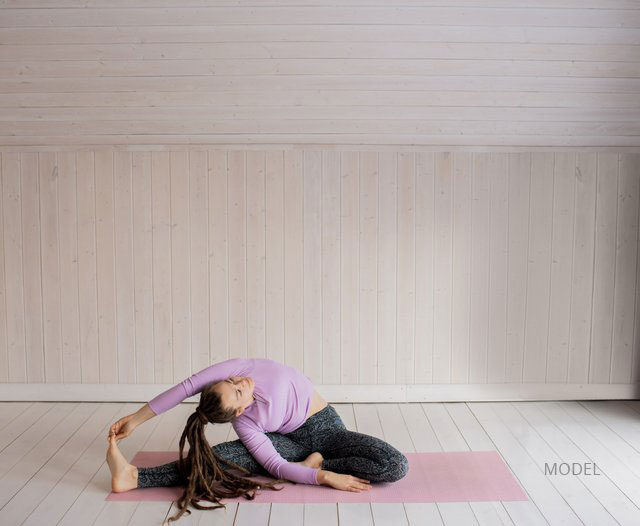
x,y
53,469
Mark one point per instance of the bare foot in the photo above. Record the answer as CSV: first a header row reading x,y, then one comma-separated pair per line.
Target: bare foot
x,y
312,461
124,476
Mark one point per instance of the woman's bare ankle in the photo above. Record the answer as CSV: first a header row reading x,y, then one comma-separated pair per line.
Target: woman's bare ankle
x,y
314,460
125,480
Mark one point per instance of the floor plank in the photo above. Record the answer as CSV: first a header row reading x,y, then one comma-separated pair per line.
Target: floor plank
x,y
616,502
583,503
23,422
33,435
584,434
11,410
48,475
551,504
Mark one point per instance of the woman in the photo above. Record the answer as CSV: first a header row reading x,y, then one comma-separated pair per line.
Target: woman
x,y
285,429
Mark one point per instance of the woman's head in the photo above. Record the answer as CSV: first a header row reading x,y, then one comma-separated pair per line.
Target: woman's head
x,y
236,393
202,468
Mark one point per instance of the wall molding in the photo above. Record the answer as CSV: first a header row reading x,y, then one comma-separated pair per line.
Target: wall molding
x,y
13,392
261,147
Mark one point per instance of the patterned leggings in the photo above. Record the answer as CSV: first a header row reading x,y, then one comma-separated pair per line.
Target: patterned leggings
x,y
344,451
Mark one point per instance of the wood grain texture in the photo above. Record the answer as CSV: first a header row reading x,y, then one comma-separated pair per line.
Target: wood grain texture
x,y
358,268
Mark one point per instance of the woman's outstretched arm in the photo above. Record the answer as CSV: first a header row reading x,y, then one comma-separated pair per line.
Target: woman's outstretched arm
x,y
197,382
143,414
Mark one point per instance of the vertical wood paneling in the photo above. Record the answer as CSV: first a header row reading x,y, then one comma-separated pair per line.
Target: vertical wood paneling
x,y
625,273
274,253
519,205
387,266
255,254
143,265
218,258
312,209
604,271
237,235
442,268
87,265
180,277
561,263
583,268
349,263
13,362
199,261
538,268
405,358
635,362
425,260
461,267
368,269
331,315
479,286
293,258
354,267
48,178
498,171
125,284
105,267
4,357
161,221
69,269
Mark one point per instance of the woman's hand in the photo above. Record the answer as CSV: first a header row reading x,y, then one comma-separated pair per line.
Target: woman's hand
x,y
346,482
123,427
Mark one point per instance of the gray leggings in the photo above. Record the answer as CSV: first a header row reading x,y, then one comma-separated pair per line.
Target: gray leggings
x,y
344,451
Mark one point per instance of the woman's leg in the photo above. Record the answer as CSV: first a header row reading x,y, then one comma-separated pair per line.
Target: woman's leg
x,y
233,451
354,453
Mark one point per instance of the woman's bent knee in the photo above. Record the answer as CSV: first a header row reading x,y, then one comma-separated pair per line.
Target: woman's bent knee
x,y
398,467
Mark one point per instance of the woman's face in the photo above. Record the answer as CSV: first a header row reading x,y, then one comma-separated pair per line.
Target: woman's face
x,y
236,392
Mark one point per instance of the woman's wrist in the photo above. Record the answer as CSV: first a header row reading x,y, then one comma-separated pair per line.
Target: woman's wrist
x,y
143,414
321,476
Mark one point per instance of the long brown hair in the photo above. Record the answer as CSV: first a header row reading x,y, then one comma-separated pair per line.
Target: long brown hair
x,y
202,468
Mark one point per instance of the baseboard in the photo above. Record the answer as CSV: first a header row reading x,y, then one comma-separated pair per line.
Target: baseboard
x,y
10,392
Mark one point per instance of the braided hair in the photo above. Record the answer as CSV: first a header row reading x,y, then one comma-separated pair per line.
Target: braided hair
x,y
203,469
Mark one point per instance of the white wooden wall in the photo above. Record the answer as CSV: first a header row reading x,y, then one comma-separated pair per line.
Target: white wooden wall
x,y
361,72
355,267
405,200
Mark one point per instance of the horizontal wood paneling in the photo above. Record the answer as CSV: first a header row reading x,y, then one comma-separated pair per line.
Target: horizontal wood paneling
x,y
560,74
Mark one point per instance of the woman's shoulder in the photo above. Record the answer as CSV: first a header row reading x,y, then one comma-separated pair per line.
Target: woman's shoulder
x,y
247,423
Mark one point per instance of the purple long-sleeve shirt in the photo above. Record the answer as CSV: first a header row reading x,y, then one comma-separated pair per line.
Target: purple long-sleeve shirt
x,y
282,401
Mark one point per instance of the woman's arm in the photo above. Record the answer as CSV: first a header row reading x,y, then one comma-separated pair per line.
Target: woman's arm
x,y
143,414
262,449
197,382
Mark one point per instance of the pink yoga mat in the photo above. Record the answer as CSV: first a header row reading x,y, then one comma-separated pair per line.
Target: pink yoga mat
x,y
458,476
